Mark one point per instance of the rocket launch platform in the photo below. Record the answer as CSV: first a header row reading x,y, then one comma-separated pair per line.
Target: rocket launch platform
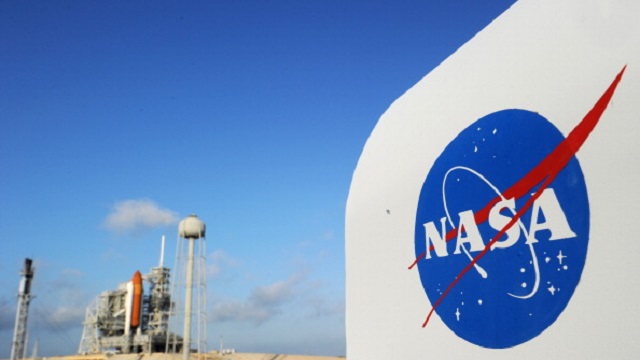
x,y
126,320
129,321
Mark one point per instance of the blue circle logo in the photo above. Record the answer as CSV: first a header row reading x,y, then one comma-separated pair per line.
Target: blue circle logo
x,y
501,247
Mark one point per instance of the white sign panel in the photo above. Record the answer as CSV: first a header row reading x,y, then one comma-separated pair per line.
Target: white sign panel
x,y
493,211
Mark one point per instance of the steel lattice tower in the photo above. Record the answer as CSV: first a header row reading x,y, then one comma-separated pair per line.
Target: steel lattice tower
x,y
18,348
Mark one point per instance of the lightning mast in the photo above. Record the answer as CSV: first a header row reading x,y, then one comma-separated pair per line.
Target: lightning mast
x,y
18,348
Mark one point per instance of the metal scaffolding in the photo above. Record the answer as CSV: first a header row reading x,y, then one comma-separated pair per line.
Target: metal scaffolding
x,y
18,348
109,324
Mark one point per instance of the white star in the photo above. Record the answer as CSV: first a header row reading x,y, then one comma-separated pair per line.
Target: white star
x,y
552,290
458,314
560,257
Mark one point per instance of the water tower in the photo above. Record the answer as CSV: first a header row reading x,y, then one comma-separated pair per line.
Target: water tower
x,y
191,279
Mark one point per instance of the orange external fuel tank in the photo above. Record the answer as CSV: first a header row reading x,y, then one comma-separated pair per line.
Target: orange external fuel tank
x,y
137,300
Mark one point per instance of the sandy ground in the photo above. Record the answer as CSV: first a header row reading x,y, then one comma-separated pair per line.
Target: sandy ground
x,y
209,356
274,357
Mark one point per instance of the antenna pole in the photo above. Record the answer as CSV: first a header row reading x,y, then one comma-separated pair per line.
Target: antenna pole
x,y
162,253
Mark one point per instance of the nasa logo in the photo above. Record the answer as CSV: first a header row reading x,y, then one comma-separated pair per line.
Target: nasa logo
x,y
502,226
520,287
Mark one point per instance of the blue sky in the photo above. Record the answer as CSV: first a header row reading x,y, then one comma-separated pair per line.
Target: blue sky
x,y
251,114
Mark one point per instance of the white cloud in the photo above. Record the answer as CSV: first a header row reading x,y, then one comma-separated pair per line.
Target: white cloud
x,y
263,303
61,318
138,215
65,302
217,261
322,307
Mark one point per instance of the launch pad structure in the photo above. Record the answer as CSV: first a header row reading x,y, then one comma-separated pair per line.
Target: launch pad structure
x,y
129,323
108,324
130,320
127,320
